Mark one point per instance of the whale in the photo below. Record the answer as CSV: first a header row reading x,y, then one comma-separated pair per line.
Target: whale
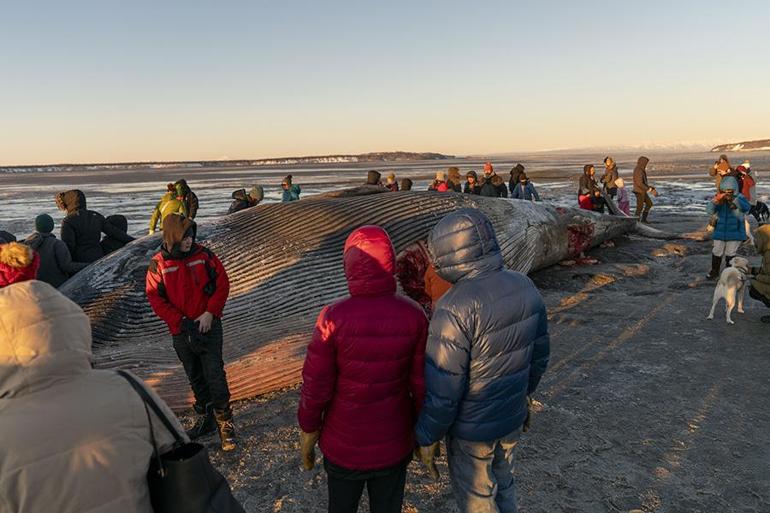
x,y
284,263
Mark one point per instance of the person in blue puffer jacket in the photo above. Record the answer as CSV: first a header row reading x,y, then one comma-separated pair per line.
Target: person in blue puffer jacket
x,y
729,207
487,348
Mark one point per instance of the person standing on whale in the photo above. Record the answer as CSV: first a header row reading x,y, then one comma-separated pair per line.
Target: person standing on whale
x,y
187,287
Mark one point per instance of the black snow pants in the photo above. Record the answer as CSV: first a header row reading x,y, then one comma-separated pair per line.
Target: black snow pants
x,y
385,487
201,357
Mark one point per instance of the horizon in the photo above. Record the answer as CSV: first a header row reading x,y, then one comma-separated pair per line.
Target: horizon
x,y
105,83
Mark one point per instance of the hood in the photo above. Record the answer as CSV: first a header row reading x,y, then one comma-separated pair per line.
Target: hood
x,y
71,201
118,221
406,184
37,239
181,187
239,195
453,175
762,239
642,163
517,169
729,182
175,227
373,178
473,174
18,262
44,338
463,245
370,262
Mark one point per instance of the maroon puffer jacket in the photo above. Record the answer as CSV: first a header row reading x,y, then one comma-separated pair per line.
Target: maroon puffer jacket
x,y
363,376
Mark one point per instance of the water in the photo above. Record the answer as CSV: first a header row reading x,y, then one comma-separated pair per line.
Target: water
x,y
682,180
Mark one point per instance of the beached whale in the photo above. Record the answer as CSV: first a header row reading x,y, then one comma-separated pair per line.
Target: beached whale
x,y
284,261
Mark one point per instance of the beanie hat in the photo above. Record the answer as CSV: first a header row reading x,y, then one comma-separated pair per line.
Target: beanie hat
x,y
471,173
44,223
488,167
17,263
728,182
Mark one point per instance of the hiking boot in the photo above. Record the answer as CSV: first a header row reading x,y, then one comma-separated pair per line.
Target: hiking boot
x,y
204,425
224,420
716,263
227,434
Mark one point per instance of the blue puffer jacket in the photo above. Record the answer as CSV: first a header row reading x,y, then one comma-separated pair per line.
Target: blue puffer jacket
x,y
730,221
488,341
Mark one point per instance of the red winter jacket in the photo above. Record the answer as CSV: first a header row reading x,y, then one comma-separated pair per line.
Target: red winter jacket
x,y
363,376
175,288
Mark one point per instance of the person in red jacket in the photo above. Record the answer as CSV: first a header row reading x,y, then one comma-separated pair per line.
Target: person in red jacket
x,y
363,381
187,287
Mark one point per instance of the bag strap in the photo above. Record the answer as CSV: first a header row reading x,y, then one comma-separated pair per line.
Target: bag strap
x,y
149,401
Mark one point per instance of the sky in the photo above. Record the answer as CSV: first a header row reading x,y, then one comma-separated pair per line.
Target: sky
x,y
117,81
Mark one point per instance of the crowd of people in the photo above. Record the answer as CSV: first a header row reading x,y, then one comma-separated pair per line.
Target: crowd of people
x,y
375,393
459,366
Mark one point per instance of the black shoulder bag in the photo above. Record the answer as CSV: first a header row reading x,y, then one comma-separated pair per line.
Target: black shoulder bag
x,y
183,480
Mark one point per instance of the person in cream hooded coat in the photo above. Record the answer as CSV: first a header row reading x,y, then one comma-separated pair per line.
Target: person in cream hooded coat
x,y
72,439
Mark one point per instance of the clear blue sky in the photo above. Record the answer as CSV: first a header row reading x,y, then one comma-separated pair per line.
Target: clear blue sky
x,y
135,80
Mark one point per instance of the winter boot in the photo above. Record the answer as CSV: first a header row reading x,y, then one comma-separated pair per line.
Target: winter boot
x,y
205,424
716,263
226,429
728,259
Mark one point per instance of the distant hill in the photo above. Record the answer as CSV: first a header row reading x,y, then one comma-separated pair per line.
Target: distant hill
x,y
760,145
386,156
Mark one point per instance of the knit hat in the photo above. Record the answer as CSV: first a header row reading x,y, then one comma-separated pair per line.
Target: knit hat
x,y
488,167
44,223
728,182
473,174
17,263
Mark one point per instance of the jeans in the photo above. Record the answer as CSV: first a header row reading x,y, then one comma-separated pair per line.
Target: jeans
x,y
482,474
385,487
201,357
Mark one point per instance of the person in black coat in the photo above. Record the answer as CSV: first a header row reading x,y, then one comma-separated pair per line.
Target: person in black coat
x,y
56,265
110,244
492,185
81,229
471,185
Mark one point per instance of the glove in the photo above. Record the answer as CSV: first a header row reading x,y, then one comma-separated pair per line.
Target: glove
x,y
527,420
428,456
307,443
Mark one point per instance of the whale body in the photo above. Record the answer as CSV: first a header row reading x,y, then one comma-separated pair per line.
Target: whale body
x,y
284,261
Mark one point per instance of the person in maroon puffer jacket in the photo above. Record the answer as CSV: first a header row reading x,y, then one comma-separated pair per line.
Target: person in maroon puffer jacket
x,y
363,381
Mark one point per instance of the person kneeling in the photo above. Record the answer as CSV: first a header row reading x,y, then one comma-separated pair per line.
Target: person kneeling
x,y
187,287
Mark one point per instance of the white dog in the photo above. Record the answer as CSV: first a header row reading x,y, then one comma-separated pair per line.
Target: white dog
x,y
732,285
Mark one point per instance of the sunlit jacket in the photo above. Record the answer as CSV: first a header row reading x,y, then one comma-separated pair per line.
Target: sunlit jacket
x,y
488,341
